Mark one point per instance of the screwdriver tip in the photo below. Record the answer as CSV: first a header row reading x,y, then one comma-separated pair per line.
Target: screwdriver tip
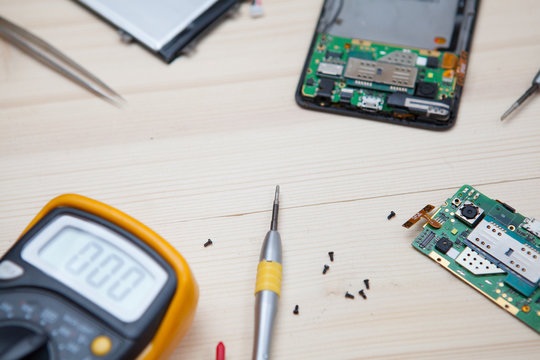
x,y
275,210
509,111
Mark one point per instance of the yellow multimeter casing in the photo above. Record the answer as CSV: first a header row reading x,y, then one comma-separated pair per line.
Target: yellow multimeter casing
x,y
32,287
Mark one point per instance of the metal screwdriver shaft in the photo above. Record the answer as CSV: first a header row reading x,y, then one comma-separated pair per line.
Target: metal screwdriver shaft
x,y
534,87
275,210
268,287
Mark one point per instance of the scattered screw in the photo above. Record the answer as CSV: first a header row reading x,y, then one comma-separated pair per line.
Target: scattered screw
x,y
366,281
326,267
361,293
331,254
208,243
391,215
349,296
295,311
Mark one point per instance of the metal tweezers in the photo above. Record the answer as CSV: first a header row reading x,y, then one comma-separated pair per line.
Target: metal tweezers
x,y
53,58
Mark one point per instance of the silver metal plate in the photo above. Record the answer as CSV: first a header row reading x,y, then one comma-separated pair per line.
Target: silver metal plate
x,y
494,240
383,73
400,58
414,23
153,23
330,69
476,264
430,107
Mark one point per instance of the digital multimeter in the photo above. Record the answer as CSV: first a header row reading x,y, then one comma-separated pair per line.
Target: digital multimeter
x,y
85,281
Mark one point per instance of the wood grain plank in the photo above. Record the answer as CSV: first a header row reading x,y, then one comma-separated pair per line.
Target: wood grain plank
x,y
201,143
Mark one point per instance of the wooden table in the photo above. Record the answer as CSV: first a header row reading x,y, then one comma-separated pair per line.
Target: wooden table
x,y
201,143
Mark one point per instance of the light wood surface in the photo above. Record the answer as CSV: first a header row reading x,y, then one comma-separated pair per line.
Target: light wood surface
x,y
201,143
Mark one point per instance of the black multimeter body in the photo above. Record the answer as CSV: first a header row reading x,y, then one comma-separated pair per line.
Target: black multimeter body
x,y
67,321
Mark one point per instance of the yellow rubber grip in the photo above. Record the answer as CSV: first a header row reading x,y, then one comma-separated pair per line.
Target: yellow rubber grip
x,y
269,277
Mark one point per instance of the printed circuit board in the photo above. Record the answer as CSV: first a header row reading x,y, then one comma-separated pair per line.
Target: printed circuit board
x,y
381,78
490,246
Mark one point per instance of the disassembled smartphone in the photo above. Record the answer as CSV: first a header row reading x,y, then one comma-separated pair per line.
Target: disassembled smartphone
x,y
488,245
400,61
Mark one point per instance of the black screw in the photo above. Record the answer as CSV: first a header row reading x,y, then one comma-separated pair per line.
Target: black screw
x,y
391,215
295,311
361,293
349,295
208,243
325,269
331,254
366,282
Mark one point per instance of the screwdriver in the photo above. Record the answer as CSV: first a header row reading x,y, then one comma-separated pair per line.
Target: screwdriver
x,y
268,287
534,87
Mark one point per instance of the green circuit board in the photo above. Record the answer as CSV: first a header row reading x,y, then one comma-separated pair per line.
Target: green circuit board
x,y
382,78
490,246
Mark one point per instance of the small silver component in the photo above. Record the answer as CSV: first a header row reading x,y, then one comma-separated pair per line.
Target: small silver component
x,y
330,69
430,107
370,103
532,225
453,253
421,61
349,92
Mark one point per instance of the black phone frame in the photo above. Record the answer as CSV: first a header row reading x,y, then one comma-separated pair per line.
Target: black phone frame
x,y
419,122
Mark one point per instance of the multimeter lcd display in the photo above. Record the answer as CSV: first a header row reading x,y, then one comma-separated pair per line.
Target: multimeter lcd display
x,y
97,263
